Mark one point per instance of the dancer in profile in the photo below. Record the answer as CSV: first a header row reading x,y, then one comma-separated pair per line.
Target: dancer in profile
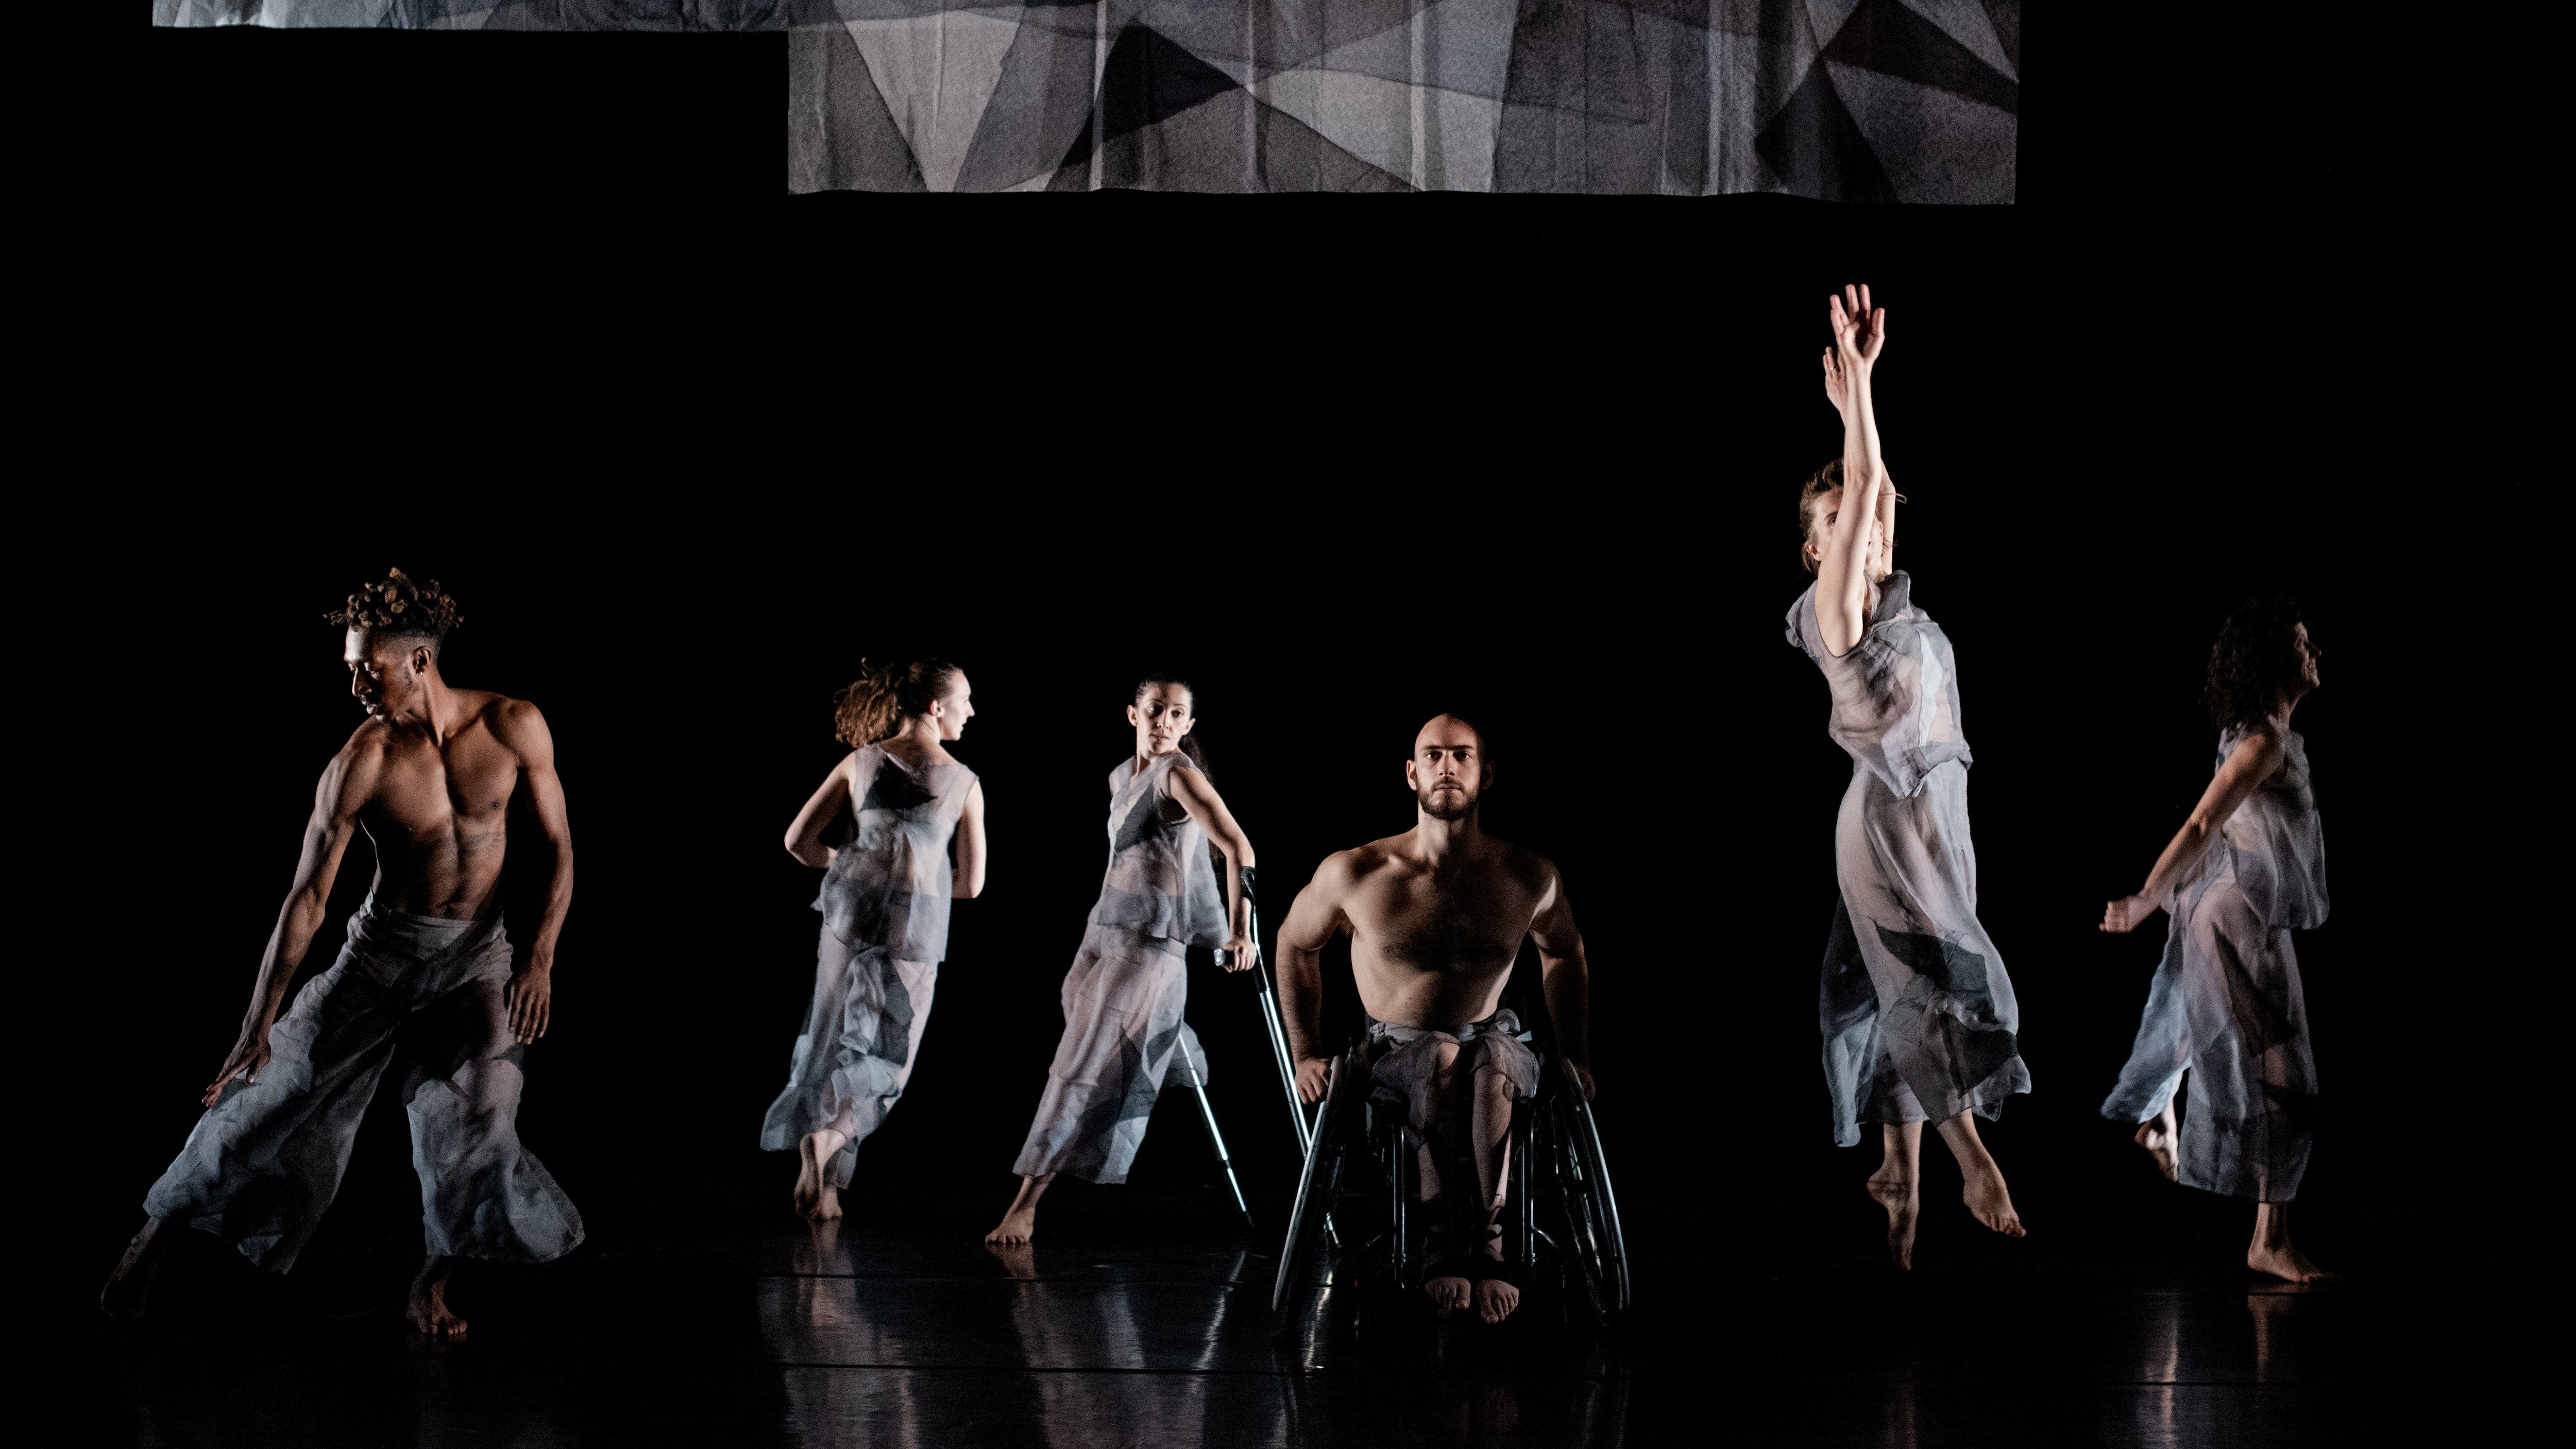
x,y
2247,869
1124,995
886,890
430,777
1918,1015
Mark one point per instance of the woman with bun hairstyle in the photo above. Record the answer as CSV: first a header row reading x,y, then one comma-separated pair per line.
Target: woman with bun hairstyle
x,y
1124,996
2247,869
886,889
1919,1019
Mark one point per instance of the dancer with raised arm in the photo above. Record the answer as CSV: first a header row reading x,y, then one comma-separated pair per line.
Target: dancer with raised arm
x,y
1918,1015
1124,996
430,778
886,890
2247,869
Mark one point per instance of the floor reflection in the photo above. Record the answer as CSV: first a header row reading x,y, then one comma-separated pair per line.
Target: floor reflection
x,y
1081,1350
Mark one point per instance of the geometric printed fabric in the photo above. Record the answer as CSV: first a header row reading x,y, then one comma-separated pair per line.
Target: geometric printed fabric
x,y
1842,100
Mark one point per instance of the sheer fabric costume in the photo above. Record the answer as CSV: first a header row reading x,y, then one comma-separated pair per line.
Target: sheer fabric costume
x,y
265,1161
1917,1013
885,929
2226,1005
1124,995
1404,1065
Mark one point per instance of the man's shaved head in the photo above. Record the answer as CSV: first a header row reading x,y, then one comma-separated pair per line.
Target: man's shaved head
x,y
1450,767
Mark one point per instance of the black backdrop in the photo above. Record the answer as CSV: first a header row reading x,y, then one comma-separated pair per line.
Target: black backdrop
x,y
1533,459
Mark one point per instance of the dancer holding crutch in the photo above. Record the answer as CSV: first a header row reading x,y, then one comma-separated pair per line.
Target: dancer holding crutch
x,y
1124,996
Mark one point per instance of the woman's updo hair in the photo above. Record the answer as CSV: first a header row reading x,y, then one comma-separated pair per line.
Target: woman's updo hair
x,y
1827,479
1190,741
875,706
2255,663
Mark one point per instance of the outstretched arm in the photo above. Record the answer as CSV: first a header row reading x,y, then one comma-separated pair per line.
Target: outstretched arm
x,y
966,878
1567,977
1312,922
346,783
805,833
2252,762
531,989
1836,389
1842,570
1199,798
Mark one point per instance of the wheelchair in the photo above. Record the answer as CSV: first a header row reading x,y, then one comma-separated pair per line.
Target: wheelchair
x,y
1353,1221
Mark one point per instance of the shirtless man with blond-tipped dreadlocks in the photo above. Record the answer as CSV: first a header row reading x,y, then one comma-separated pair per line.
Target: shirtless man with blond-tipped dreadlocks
x,y
430,777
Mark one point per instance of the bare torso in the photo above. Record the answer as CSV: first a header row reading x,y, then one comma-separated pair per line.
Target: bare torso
x,y
438,811
1432,942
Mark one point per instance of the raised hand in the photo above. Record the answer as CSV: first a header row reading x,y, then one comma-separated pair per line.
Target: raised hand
x,y
249,1055
1860,330
1836,389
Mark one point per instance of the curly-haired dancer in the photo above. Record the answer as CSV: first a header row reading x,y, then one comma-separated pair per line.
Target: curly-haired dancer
x,y
1919,1018
886,890
1124,996
2247,869
430,777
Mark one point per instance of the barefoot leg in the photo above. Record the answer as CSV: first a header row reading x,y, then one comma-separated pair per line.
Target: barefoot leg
x,y
2272,1251
2158,1134
1495,1300
129,1288
1448,1291
428,1310
1900,1167
1020,1224
816,1198
1984,1192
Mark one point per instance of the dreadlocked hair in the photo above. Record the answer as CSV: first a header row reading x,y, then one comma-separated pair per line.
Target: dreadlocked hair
x,y
2254,663
401,607
877,703
1190,741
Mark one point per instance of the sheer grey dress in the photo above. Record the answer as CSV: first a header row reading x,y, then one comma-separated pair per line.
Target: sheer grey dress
x,y
885,928
1124,996
1918,1016
2226,1005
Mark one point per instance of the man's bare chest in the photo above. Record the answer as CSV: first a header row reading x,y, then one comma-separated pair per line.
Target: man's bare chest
x,y
1434,925
462,787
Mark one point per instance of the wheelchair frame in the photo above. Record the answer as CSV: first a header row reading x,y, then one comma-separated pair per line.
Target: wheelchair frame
x,y
1559,1208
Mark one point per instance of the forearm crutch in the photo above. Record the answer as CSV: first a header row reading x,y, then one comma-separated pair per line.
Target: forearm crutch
x,y
1278,1026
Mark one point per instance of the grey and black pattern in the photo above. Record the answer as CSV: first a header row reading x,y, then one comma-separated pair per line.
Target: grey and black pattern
x,y
1918,1015
2226,1004
265,1161
1124,997
885,903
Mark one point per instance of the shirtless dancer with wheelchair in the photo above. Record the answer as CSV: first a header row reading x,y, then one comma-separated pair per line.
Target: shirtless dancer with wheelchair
x,y
1435,916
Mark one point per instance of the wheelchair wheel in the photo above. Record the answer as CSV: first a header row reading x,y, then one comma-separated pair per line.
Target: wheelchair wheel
x,y
1585,1210
1337,1135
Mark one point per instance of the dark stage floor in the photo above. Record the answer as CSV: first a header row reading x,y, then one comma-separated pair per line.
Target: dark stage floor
x,y
710,1316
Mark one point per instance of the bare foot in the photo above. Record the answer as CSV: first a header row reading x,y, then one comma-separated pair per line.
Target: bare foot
x,y
2284,1260
1495,1299
2156,1134
1020,1224
1449,1292
1896,1194
1991,1202
814,1151
129,1288
428,1310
